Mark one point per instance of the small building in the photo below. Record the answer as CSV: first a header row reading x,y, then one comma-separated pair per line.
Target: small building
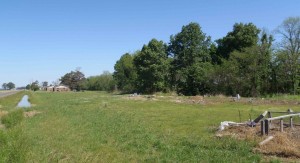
x,y
49,89
60,88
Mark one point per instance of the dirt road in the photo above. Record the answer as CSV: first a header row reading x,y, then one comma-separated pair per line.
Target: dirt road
x,y
7,93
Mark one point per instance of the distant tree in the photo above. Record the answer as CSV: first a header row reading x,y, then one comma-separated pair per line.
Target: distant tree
x,y
192,60
242,36
35,86
74,79
103,82
45,84
4,86
288,54
10,85
125,73
152,65
28,86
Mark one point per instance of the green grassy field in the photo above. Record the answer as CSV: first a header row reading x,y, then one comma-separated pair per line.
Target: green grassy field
x,y
100,127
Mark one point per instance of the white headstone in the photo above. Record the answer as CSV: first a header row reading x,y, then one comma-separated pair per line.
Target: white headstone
x,y
238,96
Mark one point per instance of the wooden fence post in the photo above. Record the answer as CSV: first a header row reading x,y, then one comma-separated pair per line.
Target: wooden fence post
x,y
281,125
291,122
267,129
270,116
262,128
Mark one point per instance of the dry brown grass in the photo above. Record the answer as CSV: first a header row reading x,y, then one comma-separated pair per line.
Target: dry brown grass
x,y
284,145
30,114
2,113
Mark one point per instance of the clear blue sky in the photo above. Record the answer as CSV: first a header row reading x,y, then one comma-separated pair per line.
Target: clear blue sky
x,y
44,39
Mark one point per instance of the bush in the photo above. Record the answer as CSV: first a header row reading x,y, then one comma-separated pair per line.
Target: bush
x,y
13,118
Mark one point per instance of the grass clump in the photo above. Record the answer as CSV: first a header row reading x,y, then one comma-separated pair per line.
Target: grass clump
x,y
13,118
13,145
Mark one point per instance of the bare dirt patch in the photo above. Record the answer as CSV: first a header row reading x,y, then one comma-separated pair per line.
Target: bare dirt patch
x,y
142,97
30,114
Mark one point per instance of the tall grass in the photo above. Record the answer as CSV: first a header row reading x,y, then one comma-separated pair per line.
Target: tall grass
x,y
13,145
13,118
13,141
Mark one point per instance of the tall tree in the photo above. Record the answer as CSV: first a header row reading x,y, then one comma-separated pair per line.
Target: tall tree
x,y
191,65
152,65
35,85
10,85
74,79
242,36
290,49
247,71
45,84
125,73
4,86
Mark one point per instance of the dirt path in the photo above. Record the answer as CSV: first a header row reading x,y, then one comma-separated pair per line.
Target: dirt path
x,y
7,93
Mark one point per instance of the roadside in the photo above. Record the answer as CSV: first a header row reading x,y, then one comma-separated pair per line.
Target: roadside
x,y
7,93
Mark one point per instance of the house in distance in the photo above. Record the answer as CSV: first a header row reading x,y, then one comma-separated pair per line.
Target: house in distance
x,y
60,88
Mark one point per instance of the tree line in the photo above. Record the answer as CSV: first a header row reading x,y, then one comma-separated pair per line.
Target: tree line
x,y
8,86
77,81
246,61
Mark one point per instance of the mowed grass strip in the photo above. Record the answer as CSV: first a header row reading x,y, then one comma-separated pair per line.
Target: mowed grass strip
x,y
99,127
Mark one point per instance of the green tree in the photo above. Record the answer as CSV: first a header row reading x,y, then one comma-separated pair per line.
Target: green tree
x,y
45,84
242,36
152,65
248,71
191,65
4,86
10,85
103,82
35,86
28,86
125,73
289,50
74,79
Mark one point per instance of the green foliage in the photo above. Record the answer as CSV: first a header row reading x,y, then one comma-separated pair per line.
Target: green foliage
x,y
45,84
242,36
247,71
13,118
152,65
28,86
10,85
74,79
34,86
191,65
125,73
288,56
103,82
241,62
4,86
